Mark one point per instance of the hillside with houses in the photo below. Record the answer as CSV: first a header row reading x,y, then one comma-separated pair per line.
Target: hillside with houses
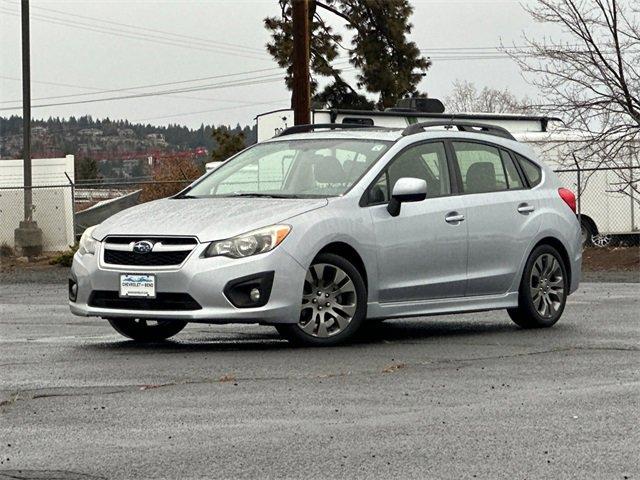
x,y
106,139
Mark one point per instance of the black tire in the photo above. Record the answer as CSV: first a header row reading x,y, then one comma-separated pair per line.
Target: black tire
x,y
140,331
587,231
294,332
527,314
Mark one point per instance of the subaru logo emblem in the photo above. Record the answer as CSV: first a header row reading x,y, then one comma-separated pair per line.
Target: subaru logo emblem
x,y
143,246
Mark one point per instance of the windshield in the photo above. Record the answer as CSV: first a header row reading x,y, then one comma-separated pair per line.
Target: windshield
x,y
292,169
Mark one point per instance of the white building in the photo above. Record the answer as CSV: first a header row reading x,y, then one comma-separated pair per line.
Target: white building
x,y
53,205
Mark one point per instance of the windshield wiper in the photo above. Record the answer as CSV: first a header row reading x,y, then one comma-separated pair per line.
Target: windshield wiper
x,y
262,195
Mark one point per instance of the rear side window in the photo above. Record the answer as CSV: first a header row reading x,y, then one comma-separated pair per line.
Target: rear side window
x,y
480,167
531,170
513,177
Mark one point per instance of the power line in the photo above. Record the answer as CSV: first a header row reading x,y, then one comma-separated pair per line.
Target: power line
x,y
139,87
257,80
184,114
213,42
138,36
136,29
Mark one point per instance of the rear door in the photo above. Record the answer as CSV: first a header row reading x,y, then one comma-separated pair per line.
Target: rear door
x,y
422,253
501,215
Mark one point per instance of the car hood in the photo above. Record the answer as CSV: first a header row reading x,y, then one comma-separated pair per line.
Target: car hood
x,y
206,218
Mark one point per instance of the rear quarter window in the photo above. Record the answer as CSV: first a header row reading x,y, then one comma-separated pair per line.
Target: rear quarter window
x,y
531,170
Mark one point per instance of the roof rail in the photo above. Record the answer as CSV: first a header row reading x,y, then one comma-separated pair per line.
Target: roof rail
x,y
313,126
471,127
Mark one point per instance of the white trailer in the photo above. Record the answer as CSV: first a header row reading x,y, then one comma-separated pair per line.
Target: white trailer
x,y
604,208
607,205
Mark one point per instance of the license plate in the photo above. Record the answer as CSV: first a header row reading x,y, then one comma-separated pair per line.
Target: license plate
x,y
137,285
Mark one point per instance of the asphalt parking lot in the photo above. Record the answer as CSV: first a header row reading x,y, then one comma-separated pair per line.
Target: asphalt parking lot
x,y
467,396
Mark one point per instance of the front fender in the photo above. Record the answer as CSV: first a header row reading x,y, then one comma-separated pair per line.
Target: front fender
x,y
341,221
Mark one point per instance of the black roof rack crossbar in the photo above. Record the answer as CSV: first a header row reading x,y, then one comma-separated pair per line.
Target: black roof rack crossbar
x,y
314,126
471,127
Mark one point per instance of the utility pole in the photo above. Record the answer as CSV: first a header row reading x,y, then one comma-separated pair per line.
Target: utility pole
x,y
28,237
301,96
26,112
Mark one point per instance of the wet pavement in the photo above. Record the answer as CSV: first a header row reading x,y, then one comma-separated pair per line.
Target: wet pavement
x,y
466,396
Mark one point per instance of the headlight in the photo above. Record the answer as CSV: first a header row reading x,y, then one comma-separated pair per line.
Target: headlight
x,y
252,243
87,242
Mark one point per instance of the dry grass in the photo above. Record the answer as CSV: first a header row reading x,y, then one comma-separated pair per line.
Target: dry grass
x,y
394,367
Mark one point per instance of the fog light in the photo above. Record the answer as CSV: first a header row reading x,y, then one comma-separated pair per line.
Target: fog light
x,y
251,291
254,294
73,290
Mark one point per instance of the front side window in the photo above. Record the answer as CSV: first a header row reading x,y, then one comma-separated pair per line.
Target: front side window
x,y
294,168
480,167
427,161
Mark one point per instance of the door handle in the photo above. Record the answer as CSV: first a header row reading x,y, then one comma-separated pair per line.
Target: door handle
x,y
525,208
454,217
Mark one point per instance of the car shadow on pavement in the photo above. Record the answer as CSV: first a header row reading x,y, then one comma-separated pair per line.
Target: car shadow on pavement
x,y
267,339
427,329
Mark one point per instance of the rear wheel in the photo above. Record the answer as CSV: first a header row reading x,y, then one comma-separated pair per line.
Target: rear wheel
x,y
543,289
142,330
333,306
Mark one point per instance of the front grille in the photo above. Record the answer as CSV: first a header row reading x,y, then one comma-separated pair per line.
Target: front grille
x,y
163,301
166,251
152,259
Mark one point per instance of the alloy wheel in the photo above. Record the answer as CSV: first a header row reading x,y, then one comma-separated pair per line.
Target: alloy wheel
x,y
601,240
329,301
547,285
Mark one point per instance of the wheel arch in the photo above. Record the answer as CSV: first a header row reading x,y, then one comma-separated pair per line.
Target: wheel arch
x,y
591,222
559,246
349,253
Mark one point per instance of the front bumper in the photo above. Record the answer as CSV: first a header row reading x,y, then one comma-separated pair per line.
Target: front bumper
x,y
204,279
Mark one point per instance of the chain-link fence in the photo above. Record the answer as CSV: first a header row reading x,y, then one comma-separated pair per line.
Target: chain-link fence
x,y
63,211
608,202
52,210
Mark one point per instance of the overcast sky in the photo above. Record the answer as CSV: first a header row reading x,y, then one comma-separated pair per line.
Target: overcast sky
x,y
86,46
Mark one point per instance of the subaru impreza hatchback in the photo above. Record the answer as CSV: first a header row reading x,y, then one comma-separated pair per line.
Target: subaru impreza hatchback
x,y
322,228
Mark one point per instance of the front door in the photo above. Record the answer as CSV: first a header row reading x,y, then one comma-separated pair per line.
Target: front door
x,y
422,252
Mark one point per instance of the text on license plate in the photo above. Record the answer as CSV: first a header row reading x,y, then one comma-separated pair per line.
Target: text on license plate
x,y
137,285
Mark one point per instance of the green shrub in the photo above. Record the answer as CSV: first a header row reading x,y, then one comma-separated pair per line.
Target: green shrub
x,y
6,250
65,259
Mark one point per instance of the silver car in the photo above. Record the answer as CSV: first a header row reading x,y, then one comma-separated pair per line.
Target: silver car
x,y
324,228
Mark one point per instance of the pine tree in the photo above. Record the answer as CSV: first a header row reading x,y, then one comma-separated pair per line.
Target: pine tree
x,y
229,143
389,65
86,169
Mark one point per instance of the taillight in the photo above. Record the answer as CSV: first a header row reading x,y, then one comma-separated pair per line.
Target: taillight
x,y
568,197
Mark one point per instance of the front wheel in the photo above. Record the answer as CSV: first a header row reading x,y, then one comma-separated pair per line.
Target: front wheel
x,y
333,306
543,290
142,330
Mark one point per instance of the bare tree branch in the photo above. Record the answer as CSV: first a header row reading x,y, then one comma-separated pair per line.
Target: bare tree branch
x,y
592,80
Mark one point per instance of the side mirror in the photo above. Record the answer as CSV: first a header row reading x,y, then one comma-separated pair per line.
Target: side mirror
x,y
406,189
